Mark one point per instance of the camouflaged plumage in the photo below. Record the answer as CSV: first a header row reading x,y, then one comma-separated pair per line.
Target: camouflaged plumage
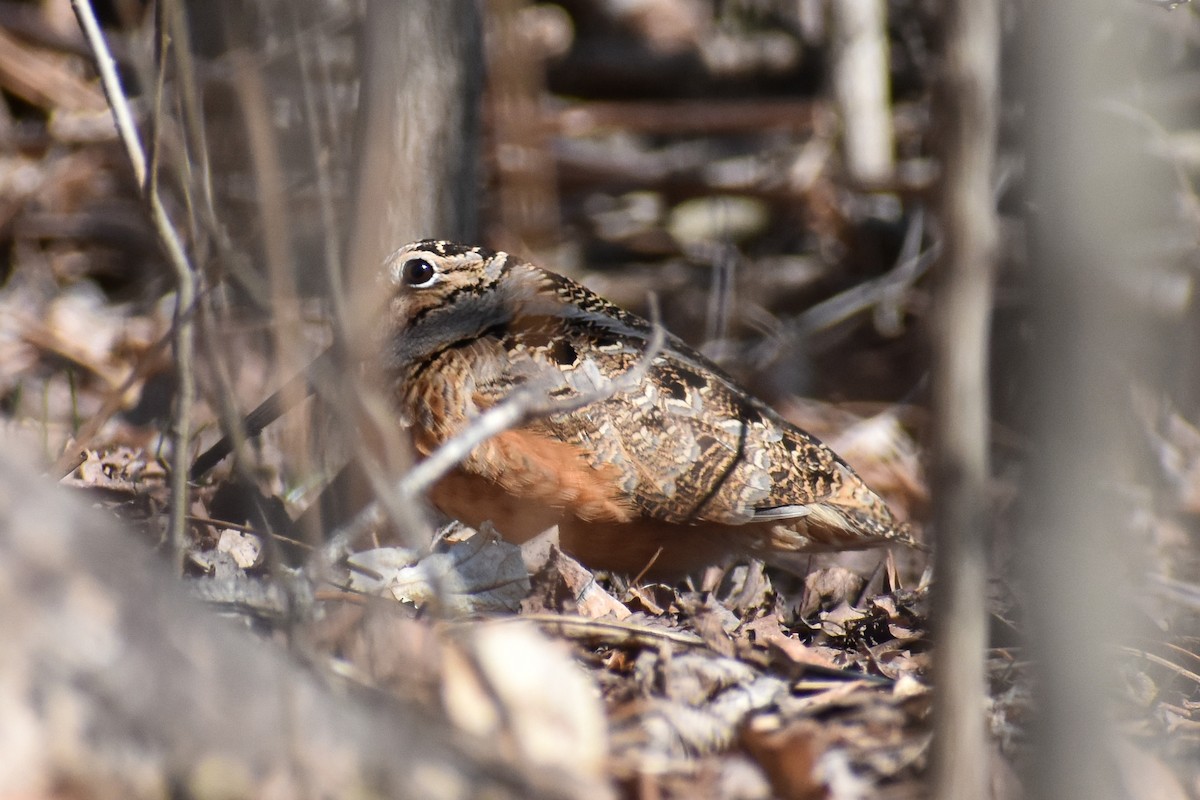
x,y
686,461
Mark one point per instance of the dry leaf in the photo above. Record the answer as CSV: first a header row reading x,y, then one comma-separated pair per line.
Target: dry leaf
x,y
479,575
245,548
510,683
827,588
770,633
788,756
564,585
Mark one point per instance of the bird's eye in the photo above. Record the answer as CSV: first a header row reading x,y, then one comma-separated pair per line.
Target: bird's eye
x,y
417,272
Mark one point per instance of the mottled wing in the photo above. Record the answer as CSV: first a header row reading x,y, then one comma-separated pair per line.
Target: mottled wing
x,y
695,449
688,445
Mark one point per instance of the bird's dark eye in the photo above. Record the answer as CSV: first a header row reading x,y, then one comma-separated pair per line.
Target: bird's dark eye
x,y
417,272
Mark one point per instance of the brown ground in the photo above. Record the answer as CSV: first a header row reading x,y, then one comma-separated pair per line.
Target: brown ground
x,y
664,172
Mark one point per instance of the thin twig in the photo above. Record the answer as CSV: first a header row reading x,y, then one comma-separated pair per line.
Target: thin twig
x,y
866,295
318,144
185,276
885,294
1162,662
107,67
625,633
195,135
208,233
269,410
637,579
222,524
181,427
612,632
267,163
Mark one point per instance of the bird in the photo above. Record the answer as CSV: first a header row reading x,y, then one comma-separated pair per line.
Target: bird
x,y
676,470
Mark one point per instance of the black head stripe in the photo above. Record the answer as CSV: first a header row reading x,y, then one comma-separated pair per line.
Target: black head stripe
x,y
448,249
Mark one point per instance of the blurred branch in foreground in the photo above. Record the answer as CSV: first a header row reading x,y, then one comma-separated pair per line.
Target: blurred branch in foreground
x,y
1091,199
143,689
960,322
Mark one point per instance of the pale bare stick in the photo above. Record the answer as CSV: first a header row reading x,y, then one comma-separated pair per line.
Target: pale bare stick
x,y
862,88
1091,191
185,276
967,105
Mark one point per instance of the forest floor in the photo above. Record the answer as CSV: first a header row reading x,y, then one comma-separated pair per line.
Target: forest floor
x,y
716,183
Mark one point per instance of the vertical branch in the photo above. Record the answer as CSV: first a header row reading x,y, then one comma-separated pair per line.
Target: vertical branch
x,y
270,181
416,176
1092,198
960,323
184,327
185,277
320,139
199,170
106,66
419,128
862,87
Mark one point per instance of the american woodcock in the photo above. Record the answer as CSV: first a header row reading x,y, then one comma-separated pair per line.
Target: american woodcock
x,y
681,470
